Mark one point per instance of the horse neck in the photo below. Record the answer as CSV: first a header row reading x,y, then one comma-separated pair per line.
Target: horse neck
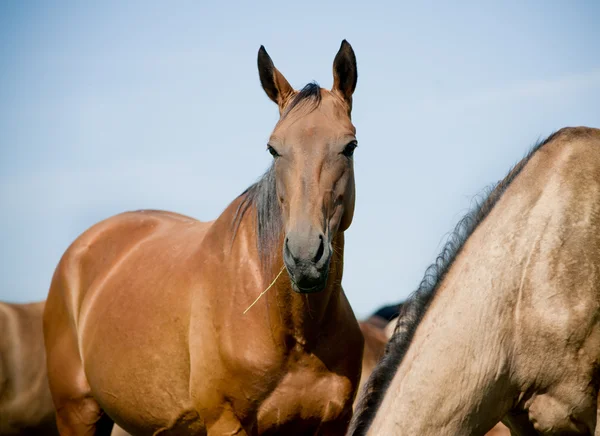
x,y
454,377
305,315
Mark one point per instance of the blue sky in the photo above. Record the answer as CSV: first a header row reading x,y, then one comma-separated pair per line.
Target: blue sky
x,y
112,106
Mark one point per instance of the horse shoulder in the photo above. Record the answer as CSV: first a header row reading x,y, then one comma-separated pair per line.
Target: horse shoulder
x,y
566,308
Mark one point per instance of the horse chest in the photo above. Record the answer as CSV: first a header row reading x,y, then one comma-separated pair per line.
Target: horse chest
x,y
303,397
290,395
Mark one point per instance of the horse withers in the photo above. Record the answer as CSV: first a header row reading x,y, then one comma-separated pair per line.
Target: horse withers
x,y
150,321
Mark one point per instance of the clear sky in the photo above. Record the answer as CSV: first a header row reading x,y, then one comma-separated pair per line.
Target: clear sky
x,y
114,106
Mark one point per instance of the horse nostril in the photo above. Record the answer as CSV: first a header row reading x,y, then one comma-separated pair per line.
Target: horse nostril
x,y
320,251
287,253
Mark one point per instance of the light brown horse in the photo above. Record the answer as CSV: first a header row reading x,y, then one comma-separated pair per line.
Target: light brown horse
x,y
506,323
25,402
146,321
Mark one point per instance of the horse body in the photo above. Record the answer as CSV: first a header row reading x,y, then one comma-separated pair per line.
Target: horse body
x,y
164,335
512,328
146,321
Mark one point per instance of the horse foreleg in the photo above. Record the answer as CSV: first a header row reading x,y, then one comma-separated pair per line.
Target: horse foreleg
x,y
519,424
335,427
227,425
82,416
597,430
77,412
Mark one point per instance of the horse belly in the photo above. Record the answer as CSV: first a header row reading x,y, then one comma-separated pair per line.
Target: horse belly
x,y
135,356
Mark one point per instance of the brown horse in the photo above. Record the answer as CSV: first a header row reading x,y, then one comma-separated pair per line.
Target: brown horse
x,y
375,333
375,340
506,324
383,316
25,402
148,320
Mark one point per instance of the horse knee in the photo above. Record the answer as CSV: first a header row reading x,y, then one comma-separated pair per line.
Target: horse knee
x,y
82,417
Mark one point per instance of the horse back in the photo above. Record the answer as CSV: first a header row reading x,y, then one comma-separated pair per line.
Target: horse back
x,y
101,248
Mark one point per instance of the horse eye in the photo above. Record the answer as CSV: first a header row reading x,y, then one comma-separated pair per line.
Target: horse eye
x,y
272,151
349,149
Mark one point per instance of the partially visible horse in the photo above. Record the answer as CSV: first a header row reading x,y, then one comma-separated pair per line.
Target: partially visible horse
x,y
151,319
375,341
506,323
384,315
25,402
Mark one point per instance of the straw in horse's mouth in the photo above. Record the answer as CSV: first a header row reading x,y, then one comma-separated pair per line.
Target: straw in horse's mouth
x,y
265,291
294,284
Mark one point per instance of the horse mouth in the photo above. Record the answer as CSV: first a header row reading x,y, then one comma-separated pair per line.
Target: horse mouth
x,y
318,287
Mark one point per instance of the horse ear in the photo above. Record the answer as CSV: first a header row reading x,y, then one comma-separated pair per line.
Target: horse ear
x,y
275,85
345,73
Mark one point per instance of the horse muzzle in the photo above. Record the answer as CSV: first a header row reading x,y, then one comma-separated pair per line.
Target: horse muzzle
x,y
307,262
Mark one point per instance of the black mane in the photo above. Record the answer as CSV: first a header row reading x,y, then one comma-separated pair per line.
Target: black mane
x,y
261,197
416,305
311,93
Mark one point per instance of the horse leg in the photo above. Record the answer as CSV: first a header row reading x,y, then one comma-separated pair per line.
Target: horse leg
x,y
227,425
83,416
597,430
77,412
518,423
335,427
